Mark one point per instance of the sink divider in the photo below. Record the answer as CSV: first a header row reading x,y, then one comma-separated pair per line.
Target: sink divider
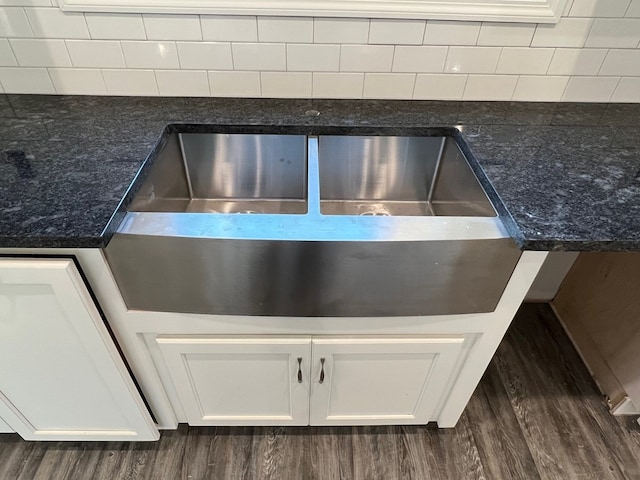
x,y
313,177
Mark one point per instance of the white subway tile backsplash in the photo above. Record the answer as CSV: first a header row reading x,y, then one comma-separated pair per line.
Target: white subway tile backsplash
x,y
259,56
31,52
628,90
96,53
472,59
313,58
26,80
26,3
183,83
150,54
396,32
599,8
115,26
490,87
338,85
590,89
7,58
14,23
506,34
439,87
285,29
286,84
621,62
54,23
422,59
634,9
205,55
340,30
235,84
539,88
228,28
527,61
576,61
614,33
366,58
130,82
389,85
172,27
439,32
568,32
76,81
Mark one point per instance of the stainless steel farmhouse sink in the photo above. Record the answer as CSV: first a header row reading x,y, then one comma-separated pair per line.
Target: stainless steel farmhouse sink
x,y
318,224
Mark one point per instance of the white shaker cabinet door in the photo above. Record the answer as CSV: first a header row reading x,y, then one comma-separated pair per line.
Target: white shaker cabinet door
x,y
61,375
4,428
377,381
240,380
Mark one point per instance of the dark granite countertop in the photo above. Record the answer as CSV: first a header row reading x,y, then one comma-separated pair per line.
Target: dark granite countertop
x,y
568,175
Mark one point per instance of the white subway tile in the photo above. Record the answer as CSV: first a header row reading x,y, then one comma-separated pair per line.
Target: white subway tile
x,y
228,28
576,61
235,84
421,59
568,32
182,83
259,56
539,88
338,85
524,61
150,54
439,87
313,57
490,87
622,63
389,85
590,89
96,53
40,53
54,23
130,82
172,27
599,8
205,55
340,30
628,90
472,59
76,81
396,32
440,32
14,23
285,29
506,34
366,58
26,3
7,59
614,33
115,26
634,9
286,84
26,80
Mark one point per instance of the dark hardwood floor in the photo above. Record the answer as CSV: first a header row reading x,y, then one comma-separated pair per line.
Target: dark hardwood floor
x,y
536,415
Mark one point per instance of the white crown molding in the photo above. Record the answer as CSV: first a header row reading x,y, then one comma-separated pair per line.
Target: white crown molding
x,y
540,11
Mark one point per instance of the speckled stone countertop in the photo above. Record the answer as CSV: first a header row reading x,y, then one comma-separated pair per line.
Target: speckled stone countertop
x,y
567,175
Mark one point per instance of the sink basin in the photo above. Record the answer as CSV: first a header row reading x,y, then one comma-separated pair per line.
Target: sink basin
x,y
235,223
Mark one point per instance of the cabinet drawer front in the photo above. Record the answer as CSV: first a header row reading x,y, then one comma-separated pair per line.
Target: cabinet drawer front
x,y
240,381
380,380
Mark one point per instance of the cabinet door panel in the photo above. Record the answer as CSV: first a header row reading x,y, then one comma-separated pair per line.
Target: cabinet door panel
x,y
4,428
239,381
62,376
380,380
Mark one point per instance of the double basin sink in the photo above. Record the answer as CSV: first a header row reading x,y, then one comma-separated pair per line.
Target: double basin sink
x,y
311,225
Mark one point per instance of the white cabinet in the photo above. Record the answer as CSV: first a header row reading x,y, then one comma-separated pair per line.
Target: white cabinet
x,y
61,375
4,428
310,380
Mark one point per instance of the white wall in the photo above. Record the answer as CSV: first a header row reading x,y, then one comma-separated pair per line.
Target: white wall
x,y
591,55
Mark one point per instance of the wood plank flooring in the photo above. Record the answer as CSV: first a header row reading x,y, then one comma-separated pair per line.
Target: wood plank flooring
x,y
536,415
